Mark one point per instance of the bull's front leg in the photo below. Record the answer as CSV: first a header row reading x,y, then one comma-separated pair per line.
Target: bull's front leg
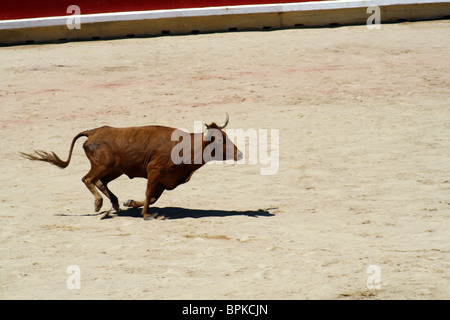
x,y
152,186
137,204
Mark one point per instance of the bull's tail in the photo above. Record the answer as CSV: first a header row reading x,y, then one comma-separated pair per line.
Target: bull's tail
x,y
51,157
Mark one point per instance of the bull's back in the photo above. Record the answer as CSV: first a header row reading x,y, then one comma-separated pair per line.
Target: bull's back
x,y
130,150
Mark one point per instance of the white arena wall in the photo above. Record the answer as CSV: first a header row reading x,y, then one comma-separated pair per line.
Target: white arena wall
x,y
216,19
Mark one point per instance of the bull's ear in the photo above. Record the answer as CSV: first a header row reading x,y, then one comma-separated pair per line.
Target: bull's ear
x,y
207,133
212,131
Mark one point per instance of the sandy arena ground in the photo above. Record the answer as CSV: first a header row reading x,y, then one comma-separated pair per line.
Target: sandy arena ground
x,y
364,169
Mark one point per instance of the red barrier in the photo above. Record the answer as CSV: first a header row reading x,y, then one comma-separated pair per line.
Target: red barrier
x,y
11,9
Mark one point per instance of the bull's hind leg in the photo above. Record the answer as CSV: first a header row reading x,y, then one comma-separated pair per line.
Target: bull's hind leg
x,y
102,185
90,179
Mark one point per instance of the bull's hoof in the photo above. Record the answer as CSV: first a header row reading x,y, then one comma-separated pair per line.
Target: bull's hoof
x,y
108,214
128,203
149,217
116,207
98,204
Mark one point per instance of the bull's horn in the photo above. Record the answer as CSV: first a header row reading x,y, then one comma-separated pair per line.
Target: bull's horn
x,y
223,125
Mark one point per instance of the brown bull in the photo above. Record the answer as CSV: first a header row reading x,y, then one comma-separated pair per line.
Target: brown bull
x,y
145,152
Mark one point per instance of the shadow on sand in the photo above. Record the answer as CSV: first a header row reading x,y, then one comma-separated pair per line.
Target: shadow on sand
x,y
181,213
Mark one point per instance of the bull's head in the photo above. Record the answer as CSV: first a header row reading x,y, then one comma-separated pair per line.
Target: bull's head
x,y
219,146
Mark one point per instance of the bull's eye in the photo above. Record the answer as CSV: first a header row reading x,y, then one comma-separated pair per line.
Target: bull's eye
x,y
220,140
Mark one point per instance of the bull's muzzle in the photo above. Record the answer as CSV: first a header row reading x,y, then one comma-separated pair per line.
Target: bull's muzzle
x,y
238,156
